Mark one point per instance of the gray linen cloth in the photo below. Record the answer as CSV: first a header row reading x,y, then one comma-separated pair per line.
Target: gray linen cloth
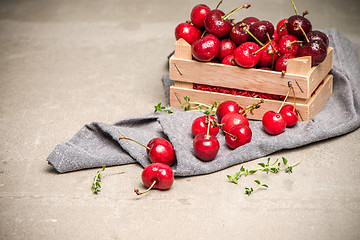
x,y
97,144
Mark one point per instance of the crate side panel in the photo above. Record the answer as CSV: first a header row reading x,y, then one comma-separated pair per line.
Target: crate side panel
x,y
236,77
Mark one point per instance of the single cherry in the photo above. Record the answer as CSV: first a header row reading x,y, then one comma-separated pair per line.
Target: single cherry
x,y
290,114
188,32
281,27
227,47
227,107
316,49
238,34
229,60
206,48
289,44
206,146
260,29
246,54
318,35
281,62
238,136
156,176
198,14
232,119
200,125
273,123
215,24
159,150
298,25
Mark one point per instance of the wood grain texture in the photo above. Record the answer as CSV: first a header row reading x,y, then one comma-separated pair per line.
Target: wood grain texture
x,y
304,78
306,110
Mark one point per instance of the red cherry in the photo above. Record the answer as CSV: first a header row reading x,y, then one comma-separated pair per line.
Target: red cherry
x,y
276,36
273,123
229,60
268,55
206,48
227,47
289,44
260,29
281,62
297,24
238,136
227,107
215,24
157,176
188,32
232,119
250,20
206,147
198,14
159,150
281,27
290,114
238,35
316,49
245,55
199,125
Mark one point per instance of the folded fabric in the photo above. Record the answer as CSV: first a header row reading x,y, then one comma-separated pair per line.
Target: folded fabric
x,y
97,144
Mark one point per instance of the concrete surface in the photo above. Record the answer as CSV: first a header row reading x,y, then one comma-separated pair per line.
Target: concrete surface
x,y
66,63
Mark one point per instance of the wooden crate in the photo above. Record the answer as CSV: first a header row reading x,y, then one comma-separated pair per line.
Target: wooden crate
x,y
312,85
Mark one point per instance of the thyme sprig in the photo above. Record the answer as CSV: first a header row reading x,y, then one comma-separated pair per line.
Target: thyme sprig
x,y
96,185
265,167
190,106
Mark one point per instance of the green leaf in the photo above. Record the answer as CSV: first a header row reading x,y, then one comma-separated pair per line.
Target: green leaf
x,y
261,164
252,171
257,181
264,185
285,161
242,169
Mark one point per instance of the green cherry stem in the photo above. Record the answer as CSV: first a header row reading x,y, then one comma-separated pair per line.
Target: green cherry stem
x,y
293,4
244,28
125,138
226,16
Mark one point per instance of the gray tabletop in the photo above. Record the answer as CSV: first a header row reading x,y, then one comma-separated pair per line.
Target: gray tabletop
x,y
64,64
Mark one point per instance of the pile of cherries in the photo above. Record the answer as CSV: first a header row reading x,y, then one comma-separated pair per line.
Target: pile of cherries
x,y
251,42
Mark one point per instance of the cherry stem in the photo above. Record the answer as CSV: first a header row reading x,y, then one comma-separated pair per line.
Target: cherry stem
x,y
139,193
293,91
121,137
243,26
286,97
203,34
305,13
251,107
217,124
218,5
272,46
302,30
226,16
208,128
296,12
283,25
262,47
294,42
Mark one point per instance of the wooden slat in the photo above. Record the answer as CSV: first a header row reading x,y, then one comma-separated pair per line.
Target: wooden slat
x,y
306,110
216,74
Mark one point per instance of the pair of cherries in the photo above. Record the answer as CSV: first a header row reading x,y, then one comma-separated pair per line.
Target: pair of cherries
x,y
205,129
158,174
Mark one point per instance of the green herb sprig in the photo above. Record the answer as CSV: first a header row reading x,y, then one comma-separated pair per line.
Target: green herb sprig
x,y
96,185
265,167
190,106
